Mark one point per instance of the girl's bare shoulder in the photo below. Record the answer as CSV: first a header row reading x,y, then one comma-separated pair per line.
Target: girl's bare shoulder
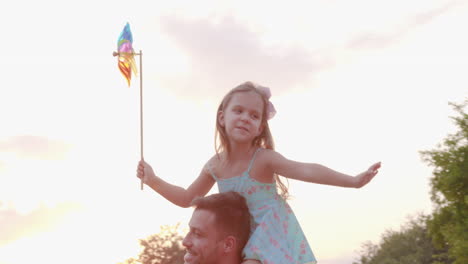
x,y
213,163
266,156
261,169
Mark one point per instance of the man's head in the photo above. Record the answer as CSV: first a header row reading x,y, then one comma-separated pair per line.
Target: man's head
x,y
219,229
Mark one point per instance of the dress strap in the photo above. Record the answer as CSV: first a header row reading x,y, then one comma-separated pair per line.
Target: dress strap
x,y
252,161
212,173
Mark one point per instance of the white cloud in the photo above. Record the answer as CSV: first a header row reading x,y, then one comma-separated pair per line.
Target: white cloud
x,y
15,225
377,38
28,146
226,53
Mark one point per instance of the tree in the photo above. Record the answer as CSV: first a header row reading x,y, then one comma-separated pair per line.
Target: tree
x,y
443,236
412,244
449,190
162,248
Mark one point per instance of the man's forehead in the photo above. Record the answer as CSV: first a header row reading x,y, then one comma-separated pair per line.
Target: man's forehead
x,y
202,219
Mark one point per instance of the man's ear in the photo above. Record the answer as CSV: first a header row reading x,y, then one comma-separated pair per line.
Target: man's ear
x,y
221,118
229,244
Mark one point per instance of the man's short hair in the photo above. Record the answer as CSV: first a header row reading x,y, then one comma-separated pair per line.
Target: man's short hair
x,y
232,216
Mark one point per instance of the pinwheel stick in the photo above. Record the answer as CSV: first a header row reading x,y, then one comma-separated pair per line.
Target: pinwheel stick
x,y
141,105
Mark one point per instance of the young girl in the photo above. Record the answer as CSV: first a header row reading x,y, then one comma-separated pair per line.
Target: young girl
x,y
245,162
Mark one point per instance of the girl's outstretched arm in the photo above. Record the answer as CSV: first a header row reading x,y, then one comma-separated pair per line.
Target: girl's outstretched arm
x,y
316,173
173,193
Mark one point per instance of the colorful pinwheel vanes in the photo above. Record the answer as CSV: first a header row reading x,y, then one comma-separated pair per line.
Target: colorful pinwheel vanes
x,y
126,54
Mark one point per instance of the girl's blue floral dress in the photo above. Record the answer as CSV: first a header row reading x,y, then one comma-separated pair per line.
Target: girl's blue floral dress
x,y
276,236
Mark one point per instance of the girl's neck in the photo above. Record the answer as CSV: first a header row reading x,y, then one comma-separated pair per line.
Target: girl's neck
x,y
238,152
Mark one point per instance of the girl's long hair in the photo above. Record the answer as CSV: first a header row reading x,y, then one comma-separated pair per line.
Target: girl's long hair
x,y
264,140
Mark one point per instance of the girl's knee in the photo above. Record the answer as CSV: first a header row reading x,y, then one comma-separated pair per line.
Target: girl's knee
x,y
251,261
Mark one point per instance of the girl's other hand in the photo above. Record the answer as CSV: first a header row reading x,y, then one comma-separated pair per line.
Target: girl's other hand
x,y
365,177
145,172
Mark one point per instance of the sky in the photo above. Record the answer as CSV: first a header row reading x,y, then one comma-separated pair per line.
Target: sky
x,y
354,82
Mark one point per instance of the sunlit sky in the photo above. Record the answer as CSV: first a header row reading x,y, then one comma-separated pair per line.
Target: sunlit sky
x,y
354,82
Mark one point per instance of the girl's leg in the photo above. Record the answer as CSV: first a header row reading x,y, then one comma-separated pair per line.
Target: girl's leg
x,y
251,261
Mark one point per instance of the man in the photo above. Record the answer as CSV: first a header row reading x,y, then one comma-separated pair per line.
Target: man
x,y
219,229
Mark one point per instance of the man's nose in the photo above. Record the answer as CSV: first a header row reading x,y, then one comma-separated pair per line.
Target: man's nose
x,y
186,242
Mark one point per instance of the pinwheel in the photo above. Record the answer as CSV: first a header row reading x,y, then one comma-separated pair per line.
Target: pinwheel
x,y
126,54
127,65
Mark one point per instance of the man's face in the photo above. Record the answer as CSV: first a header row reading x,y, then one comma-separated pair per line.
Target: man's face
x,y
202,242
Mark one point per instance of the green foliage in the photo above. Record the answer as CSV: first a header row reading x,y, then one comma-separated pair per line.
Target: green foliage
x,y
443,236
162,248
412,244
449,190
